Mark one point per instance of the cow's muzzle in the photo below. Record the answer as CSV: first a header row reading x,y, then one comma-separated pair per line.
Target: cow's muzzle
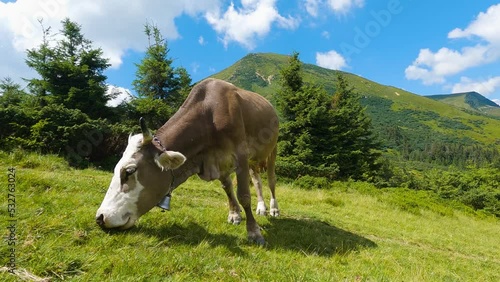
x,y
100,220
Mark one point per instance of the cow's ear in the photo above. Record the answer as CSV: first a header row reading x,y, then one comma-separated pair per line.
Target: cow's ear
x,y
170,160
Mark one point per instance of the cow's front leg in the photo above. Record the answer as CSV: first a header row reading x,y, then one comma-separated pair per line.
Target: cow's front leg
x,y
234,216
244,197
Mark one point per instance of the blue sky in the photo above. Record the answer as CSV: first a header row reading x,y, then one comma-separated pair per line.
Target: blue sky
x,y
425,47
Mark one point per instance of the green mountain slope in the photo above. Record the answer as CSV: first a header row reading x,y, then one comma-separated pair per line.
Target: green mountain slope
x,y
402,119
471,101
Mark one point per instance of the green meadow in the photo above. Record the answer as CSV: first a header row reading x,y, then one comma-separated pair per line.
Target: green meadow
x,y
351,231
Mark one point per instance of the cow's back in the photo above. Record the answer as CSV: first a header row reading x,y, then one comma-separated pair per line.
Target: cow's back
x,y
219,115
245,116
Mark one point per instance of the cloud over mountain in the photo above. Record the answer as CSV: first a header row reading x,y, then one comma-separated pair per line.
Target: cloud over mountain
x,y
245,24
435,67
330,60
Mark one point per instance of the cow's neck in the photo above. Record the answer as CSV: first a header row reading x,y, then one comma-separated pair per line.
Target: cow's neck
x,y
191,141
189,168
185,132
188,132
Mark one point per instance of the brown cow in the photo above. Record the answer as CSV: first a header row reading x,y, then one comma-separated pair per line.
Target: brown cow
x,y
220,129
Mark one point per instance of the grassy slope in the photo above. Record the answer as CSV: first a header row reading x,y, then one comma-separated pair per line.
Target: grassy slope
x,y
352,232
259,72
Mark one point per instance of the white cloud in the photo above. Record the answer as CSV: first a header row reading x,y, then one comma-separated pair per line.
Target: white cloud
x,y
325,34
313,7
114,25
433,68
485,26
201,40
253,20
330,60
118,95
344,6
485,87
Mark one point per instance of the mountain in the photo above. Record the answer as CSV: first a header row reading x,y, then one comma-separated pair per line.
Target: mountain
x,y
405,121
117,95
471,101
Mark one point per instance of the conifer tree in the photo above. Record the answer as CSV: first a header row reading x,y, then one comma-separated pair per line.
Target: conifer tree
x,y
355,145
161,87
156,77
305,110
320,134
11,93
71,71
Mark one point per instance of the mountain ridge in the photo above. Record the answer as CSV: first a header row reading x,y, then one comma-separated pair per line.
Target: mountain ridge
x,y
469,100
396,114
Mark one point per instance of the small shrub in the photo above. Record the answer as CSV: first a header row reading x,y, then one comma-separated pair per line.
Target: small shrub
x,y
482,199
294,169
414,201
335,202
311,182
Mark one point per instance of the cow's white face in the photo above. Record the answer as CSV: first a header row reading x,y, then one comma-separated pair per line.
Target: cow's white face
x,y
141,179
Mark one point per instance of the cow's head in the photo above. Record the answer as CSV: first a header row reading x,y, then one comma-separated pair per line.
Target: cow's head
x,y
141,179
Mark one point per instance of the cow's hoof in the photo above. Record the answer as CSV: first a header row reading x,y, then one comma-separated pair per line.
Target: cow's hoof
x,y
257,239
261,208
234,218
274,212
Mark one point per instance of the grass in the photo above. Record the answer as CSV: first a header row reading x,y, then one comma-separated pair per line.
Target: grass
x,y
351,232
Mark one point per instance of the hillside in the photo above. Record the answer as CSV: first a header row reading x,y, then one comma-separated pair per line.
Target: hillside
x,y
403,120
350,232
469,101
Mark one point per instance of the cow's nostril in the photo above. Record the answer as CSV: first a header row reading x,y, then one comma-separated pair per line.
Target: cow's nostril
x,y
100,220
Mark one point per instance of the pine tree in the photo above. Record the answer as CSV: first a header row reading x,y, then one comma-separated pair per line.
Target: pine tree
x,y
39,59
305,110
71,72
161,87
11,93
156,77
355,145
184,85
320,134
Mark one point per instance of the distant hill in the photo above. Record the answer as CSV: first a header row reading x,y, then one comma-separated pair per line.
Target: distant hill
x,y
405,121
469,100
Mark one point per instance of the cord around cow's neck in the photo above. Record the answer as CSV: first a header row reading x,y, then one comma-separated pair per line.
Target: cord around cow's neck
x,y
158,142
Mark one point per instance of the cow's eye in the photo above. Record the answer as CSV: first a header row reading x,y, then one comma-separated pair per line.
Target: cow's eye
x,y
130,170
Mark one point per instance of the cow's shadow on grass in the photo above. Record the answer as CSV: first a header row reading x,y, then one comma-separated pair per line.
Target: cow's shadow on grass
x,y
312,237
307,236
191,234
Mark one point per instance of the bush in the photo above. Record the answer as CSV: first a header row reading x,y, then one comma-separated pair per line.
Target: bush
x,y
15,125
155,111
293,169
476,188
70,133
311,182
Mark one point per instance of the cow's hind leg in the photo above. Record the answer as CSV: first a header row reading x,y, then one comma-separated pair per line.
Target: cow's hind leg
x,y
271,179
234,216
257,182
245,199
